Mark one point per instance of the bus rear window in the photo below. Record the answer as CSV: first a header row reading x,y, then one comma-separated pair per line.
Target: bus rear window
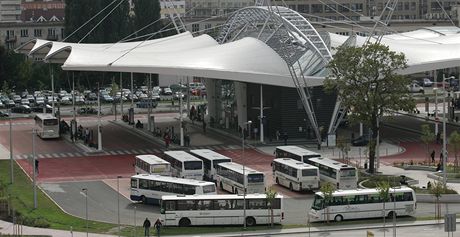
x,y
309,172
209,189
348,173
255,178
50,122
193,165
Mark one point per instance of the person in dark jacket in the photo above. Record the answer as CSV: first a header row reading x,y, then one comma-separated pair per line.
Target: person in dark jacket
x,y
146,226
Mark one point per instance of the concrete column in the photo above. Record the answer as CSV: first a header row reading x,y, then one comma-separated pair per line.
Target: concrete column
x,y
212,96
241,103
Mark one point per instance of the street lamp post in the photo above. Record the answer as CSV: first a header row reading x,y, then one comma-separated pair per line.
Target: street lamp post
x,y
99,123
35,168
118,202
85,191
244,175
444,142
436,130
11,149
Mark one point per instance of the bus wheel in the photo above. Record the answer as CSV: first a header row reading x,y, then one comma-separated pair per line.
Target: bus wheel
x,y
338,218
184,222
391,214
290,187
250,221
277,180
143,199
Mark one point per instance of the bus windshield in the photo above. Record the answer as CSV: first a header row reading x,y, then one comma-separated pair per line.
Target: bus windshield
x,y
309,172
255,178
193,165
317,203
50,122
348,173
209,189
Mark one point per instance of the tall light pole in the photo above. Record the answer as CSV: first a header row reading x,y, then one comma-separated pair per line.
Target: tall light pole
x,y
121,98
118,202
99,124
11,149
85,191
35,168
244,176
444,142
436,130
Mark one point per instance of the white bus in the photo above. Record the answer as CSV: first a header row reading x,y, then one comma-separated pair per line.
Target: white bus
x,y
150,188
47,126
225,209
295,175
210,160
184,165
295,152
340,174
151,164
230,178
363,203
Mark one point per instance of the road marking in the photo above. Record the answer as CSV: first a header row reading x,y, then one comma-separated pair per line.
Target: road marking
x,y
48,155
112,152
55,155
69,154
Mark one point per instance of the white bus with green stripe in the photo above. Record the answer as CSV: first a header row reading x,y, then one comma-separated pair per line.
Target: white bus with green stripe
x,y
362,204
228,209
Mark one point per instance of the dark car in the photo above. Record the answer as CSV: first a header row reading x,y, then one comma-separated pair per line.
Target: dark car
x,y
39,108
360,141
3,114
24,109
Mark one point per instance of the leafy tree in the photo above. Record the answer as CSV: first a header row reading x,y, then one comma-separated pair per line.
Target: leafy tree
x,y
327,189
270,196
427,137
383,188
437,189
147,12
365,80
454,142
344,147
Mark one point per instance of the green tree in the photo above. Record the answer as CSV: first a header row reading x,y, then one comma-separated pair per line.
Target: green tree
x,y
145,13
344,147
454,142
437,189
270,196
383,188
327,189
365,80
427,137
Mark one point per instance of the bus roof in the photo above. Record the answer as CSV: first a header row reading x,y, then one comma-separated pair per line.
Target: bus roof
x,y
294,163
172,179
298,151
151,159
366,191
331,163
209,154
239,168
217,196
181,156
45,116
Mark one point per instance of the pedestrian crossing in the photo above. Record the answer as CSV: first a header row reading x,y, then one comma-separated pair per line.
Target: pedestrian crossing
x,y
121,152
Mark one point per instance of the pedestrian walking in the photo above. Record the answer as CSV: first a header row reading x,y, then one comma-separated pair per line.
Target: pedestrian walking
x,y
158,226
433,153
285,137
278,134
86,135
146,226
167,139
36,165
204,127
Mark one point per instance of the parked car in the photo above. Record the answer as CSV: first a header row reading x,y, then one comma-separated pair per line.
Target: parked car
x,y
107,98
146,103
427,82
25,102
3,114
24,109
39,108
415,88
17,98
9,103
92,96
179,95
361,140
65,100
156,96
31,98
167,91
79,99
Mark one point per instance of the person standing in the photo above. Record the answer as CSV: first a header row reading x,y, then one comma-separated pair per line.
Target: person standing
x,y
204,127
146,226
158,226
433,153
36,165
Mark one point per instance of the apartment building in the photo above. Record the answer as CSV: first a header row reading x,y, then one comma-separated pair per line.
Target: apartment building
x,y
10,10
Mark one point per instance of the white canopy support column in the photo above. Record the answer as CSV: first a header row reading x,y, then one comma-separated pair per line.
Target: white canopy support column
x,y
261,114
212,97
132,98
241,103
121,98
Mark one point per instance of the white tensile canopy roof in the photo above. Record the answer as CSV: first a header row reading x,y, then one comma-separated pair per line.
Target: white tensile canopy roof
x,y
245,60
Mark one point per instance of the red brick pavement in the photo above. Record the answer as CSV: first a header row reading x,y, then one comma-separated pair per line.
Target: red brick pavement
x,y
81,168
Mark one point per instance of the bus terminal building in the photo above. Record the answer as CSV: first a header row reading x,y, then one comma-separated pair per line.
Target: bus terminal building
x,y
264,66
